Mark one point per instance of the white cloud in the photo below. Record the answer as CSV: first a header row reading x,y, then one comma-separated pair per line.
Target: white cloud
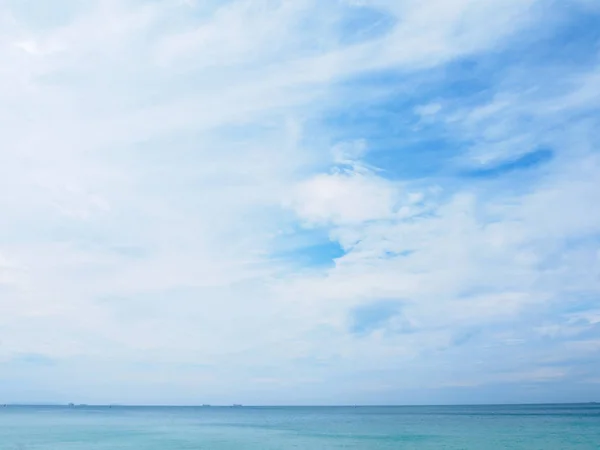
x,y
344,197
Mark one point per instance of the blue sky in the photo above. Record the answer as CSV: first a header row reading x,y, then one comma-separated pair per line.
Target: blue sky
x,y
307,202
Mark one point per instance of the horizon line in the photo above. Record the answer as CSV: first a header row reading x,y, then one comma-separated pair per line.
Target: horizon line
x,y
206,405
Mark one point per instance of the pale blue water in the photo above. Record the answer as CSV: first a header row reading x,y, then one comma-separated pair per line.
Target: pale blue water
x,y
547,427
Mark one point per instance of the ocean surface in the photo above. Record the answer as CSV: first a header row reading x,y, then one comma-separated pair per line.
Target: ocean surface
x,y
539,427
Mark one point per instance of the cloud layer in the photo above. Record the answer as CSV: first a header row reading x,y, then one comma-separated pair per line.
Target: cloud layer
x,y
302,202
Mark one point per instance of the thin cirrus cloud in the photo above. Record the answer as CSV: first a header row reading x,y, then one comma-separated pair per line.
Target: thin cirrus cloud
x,y
299,202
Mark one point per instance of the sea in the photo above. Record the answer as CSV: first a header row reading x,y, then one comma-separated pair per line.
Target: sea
x,y
524,427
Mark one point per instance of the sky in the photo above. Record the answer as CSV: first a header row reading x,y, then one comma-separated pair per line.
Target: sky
x,y
299,202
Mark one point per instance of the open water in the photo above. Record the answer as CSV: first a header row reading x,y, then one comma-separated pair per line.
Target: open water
x,y
532,427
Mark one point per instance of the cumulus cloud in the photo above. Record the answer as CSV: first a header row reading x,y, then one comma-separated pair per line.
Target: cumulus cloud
x,y
343,198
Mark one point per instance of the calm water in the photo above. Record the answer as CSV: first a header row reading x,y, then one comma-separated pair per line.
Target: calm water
x,y
559,427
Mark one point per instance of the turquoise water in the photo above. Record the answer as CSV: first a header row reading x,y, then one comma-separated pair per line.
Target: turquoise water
x,y
541,427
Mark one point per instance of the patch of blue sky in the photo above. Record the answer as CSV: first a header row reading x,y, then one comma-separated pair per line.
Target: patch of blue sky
x,y
400,142
405,147
384,113
360,23
415,159
316,255
306,248
569,35
570,43
527,161
396,142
